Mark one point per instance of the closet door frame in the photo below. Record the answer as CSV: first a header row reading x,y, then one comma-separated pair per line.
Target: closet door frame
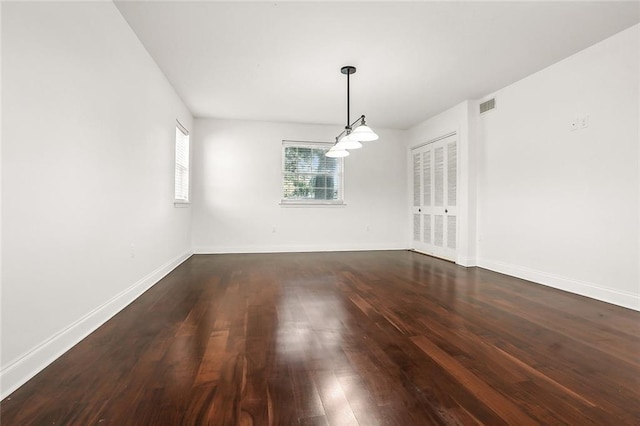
x,y
439,210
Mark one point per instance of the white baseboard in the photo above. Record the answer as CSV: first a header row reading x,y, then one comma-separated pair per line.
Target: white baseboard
x,y
467,262
24,368
594,291
297,248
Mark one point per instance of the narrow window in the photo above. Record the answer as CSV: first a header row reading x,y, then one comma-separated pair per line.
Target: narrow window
x,y
182,165
309,176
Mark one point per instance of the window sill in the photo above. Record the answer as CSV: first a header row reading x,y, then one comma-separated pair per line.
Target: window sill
x,y
311,204
181,204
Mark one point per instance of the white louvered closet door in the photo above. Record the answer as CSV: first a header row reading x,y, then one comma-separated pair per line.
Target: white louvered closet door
x,y
417,200
435,198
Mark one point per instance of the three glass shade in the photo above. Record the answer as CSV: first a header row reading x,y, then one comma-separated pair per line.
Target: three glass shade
x,y
352,140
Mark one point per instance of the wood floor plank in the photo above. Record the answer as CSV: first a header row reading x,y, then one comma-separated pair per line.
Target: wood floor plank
x,y
360,401
306,397
362,338
496,401
336,405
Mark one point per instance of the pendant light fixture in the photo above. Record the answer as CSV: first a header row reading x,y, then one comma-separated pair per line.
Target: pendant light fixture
x,y
353,133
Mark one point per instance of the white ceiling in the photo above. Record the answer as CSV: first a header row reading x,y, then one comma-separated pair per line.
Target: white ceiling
x,y
280,61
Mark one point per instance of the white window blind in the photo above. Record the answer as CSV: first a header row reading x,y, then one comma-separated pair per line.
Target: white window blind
x,y
182,164
309,176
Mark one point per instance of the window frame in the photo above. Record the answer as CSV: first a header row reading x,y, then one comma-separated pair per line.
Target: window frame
x,y
310,202
180,202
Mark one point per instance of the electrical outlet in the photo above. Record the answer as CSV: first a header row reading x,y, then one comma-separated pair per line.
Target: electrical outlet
x,y
133,250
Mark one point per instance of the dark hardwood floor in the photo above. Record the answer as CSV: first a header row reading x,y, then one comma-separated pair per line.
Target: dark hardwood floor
x,y
365,338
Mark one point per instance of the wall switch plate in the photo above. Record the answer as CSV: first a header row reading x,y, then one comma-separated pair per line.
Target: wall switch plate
x,y
583,121
573,125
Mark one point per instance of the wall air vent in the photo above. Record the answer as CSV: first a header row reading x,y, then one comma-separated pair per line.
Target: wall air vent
x,y
488,105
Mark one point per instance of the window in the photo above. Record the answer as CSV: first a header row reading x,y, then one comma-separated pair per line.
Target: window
x,y
182,164
308,176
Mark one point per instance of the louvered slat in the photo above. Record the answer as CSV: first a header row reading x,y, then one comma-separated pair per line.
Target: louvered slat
x,y
452,173
426,232
451,232
426,178
438,178
416,180
439,230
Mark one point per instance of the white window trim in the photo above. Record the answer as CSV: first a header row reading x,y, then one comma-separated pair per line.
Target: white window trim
x,y
310,203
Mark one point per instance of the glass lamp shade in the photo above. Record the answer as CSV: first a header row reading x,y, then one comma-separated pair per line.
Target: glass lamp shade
x,y
349,142
337,152
364,133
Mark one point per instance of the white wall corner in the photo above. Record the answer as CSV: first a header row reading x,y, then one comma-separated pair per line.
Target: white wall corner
x,y
31,363
474,143
593,291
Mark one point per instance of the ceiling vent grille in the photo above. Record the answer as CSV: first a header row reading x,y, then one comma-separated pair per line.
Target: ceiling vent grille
x,y
488,105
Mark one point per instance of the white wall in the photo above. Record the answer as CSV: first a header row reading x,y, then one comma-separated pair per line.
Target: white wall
x,y
87,177
456,119
543,202
237,189
557,206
